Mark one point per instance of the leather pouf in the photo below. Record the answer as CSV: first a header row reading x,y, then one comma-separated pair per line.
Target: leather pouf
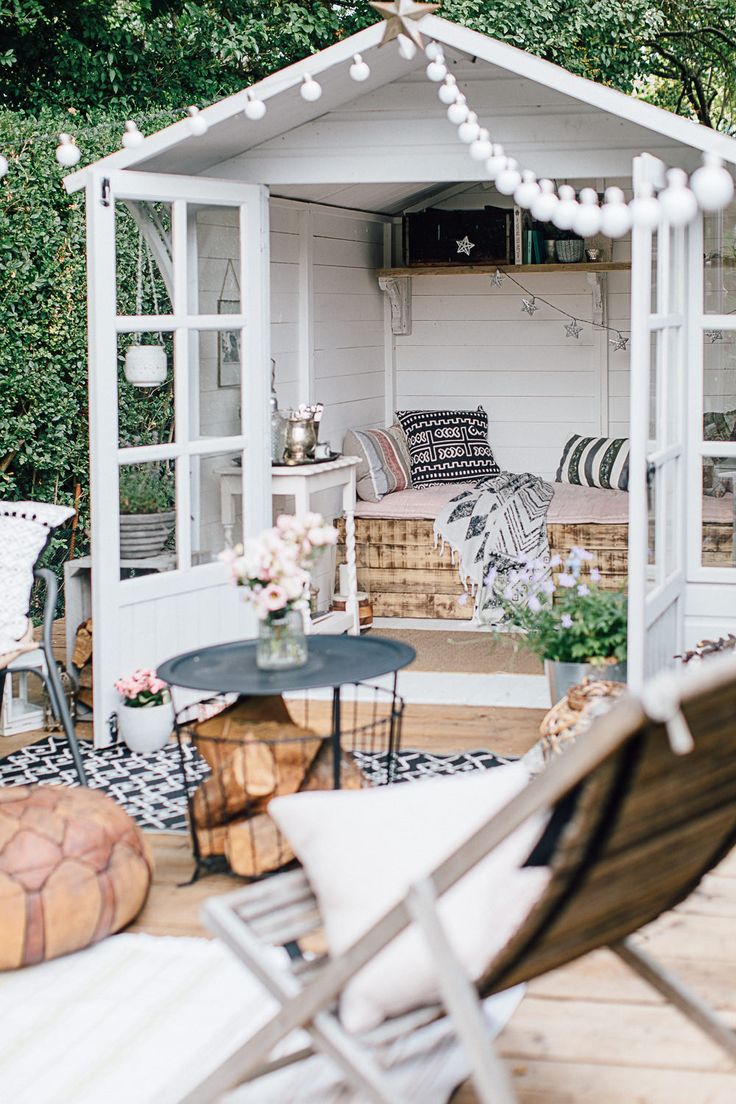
x,y
74,868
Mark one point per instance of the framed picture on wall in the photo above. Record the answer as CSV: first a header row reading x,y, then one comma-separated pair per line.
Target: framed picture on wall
x,y
228,347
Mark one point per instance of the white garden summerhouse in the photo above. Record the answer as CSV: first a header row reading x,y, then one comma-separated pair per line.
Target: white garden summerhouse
x,y
283,222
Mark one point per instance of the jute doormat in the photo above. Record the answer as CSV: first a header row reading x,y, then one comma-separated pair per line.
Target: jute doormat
x,y
472,653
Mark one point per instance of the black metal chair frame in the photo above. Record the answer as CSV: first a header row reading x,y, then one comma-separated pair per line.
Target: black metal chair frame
x,y
50,677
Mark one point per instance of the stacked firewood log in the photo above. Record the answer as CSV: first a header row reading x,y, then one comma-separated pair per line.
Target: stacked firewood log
x,y
256,752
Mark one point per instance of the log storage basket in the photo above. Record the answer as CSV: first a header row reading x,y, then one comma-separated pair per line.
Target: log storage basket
x,y
250,750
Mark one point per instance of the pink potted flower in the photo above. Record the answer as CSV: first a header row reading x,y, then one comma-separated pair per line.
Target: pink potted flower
x,y
145,715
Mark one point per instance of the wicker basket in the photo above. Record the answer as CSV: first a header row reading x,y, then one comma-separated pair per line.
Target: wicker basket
x,y
570,252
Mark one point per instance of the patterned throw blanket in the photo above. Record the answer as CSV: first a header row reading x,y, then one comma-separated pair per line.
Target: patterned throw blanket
x,y
495,528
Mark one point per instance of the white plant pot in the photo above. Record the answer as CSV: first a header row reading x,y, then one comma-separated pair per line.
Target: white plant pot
x,y
145,365
145,729
145,535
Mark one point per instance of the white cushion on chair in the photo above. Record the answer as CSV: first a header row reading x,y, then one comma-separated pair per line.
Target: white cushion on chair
x,y
361,851
24,530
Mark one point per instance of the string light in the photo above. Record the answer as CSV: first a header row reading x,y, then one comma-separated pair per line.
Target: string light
x,y
67,152
458,111
615,214
574,326
588,218
448,90
644,208
407,49
497,162
469,130
481,148
196,123
679,205
310,90
437,70
527,191
712,184
132,137
359,70
254,108
543,206
509,178
3,166
564,213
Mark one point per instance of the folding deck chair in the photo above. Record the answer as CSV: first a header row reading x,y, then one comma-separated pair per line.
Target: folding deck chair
x,y
650,800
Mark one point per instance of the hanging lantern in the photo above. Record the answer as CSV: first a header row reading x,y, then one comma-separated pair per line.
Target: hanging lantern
x,y
615,214
543,206
678,204
509,179
587,221
712,184
254,108
527,191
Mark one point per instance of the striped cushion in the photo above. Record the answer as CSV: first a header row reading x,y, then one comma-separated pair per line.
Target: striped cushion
x,y
384,461
595,462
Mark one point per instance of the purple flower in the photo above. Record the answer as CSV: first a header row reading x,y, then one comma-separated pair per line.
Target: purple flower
x,y
548,586
555,561
566,581
595,574
566,621
534,604
583,590
462,600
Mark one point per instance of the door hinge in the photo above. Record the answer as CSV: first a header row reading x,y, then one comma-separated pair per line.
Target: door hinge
x,y
105,191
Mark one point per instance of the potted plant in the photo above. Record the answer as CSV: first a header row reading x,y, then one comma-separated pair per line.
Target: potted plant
x,y
147,516
146,715
273,569
577,628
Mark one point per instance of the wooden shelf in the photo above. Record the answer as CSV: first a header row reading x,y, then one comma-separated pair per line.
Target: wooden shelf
x,y
489,269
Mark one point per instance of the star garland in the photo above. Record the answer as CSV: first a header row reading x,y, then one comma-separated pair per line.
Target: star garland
x,y
530,304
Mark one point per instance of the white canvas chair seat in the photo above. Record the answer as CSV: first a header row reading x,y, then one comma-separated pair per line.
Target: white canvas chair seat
x,y
630,801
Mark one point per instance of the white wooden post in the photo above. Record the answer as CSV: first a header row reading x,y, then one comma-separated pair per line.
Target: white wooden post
x,y
255,364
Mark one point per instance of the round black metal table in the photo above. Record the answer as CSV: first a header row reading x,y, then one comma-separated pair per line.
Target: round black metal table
x,y
334,661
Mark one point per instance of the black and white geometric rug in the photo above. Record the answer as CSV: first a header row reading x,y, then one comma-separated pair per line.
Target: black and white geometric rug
x,y
151,787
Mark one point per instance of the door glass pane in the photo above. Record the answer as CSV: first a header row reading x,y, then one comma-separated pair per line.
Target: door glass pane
x,y
652,535
145,389
719,386
654,378
718,547
147,516
216,506
143,269
214,376
719,249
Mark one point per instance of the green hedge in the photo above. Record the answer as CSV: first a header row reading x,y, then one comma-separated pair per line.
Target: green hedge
x,y
43,327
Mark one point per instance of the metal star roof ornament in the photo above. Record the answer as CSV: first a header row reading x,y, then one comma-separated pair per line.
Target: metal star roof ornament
x,y
573,329
714,335
619,343
401,18
497,278
529,306
465,245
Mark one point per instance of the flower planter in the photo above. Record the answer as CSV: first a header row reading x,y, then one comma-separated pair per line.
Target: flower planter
x,y
561,676
144,535
147,728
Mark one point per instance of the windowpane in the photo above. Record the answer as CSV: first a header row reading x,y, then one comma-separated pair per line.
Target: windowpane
x,y
719,249
147,519
718,546
141,285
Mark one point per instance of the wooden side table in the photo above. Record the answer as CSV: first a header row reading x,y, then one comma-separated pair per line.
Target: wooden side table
x,y
301,482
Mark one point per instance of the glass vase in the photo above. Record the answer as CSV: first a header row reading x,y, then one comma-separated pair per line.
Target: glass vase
x,y
281,641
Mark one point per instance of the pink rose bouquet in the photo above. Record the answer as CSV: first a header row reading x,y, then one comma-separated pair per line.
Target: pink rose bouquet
x,y
273,568
143,688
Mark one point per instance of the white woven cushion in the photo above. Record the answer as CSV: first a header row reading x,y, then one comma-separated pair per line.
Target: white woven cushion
x,y
24,530
362,850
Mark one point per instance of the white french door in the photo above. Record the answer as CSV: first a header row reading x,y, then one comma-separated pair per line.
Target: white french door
x,y
162,447
657,475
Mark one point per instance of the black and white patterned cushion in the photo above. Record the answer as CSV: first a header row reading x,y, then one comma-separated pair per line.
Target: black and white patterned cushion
x,y
447,446
595,462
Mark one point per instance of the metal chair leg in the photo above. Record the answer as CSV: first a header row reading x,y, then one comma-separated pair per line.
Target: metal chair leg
x,y
59,705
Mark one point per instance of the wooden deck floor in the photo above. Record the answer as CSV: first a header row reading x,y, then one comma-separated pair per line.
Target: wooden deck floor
x,y
591,1033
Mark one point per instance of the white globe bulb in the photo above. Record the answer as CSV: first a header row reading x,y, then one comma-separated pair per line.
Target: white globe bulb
x,y
448,91
254,109
677,203
497,162
588,216
712,184
196,123
437,70
481,148
566,209
508,179
615,214
3,166
458,112
527,191
544,203
433,50
132,137
359,70
407,49
469,130
67,153
645,212
310,89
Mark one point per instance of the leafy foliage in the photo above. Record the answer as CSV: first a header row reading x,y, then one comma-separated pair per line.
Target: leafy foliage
x,y
146,489
567,617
